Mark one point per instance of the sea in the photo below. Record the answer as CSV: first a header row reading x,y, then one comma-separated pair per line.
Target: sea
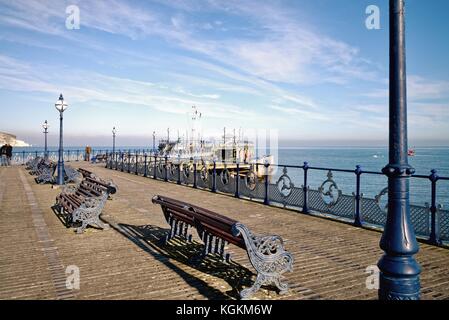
x,y
369,158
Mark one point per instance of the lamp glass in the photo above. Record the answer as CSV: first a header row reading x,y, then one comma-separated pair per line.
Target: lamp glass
x,y
61,105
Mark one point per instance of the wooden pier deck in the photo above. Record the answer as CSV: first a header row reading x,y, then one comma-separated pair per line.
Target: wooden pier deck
x,y
128,262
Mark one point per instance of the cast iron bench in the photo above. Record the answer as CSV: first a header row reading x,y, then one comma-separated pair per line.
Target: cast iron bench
x,y
33,163
100,158
266,253
86,173
72,175
45,174
84,203
44,171
36,168
90,176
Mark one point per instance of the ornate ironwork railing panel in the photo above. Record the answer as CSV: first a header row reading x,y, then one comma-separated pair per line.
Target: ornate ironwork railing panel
x,y
294,199
444,223
225,182
420,217
172,172
251,190
187,173
328,198
287,189
160,168
343,207
204,179
132,164
141,167
372,213
151,164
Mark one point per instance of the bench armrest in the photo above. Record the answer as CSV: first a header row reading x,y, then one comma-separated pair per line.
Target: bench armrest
x,y
265,251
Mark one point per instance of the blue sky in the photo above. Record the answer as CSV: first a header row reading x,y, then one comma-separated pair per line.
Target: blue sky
x,y
309,69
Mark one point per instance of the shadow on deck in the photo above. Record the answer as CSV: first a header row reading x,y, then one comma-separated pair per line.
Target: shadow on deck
x,y
151,239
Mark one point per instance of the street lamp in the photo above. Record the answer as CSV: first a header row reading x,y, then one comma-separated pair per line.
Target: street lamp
x,y
45,126
114,131
154,141
399,271
61,106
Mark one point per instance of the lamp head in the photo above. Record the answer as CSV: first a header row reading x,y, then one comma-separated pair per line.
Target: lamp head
x,y
114,131
61,105
45,125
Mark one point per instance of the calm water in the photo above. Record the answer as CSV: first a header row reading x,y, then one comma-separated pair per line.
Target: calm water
x,y
371,159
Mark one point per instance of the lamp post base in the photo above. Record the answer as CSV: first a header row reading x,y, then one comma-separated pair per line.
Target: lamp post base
x,y
399,278
61,174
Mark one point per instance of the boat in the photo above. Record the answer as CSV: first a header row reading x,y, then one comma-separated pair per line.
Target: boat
x,y
227,152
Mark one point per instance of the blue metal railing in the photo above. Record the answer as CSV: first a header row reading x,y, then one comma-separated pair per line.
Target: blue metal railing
x,y
255,182
21,157
295,187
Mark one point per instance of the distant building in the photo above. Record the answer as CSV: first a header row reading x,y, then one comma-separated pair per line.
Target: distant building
x,y
12,140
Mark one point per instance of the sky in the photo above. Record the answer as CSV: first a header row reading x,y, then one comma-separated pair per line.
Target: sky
x,y
311,70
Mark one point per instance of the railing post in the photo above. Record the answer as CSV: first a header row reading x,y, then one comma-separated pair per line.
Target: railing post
x,y
129,161
145,169
155,165
122,156
194,174
434,222
357,218
305,188
179,172
266,201
214,177
137,162
166,169
36,155
237,180
23,157
107,160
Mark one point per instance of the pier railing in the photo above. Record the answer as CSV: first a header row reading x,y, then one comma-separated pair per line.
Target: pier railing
x,y
22,157
308,189
339,194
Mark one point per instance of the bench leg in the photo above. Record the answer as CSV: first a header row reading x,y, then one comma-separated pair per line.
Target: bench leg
x,y
89,213
216,246
268,257
83,227
101,224
177,229
282,286
263,280
247,293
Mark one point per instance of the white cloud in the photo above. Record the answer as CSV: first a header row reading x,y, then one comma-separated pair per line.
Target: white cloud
x,y
85,86
280,48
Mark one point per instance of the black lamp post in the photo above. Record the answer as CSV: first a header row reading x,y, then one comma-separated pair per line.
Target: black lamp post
x,y
154,142
399,271
61,106
45,126
114,132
